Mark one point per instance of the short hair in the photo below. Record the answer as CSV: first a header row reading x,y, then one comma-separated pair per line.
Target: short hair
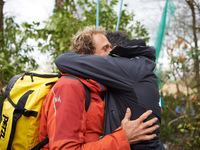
x,y
117,38
82,41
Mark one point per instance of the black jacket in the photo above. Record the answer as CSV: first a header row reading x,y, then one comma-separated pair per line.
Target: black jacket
x,y
130,80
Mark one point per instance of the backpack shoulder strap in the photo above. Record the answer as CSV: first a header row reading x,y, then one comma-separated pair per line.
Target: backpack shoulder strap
x,y
41,144
88,97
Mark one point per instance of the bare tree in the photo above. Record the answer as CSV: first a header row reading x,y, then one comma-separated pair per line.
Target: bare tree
x,y
192,4
184,36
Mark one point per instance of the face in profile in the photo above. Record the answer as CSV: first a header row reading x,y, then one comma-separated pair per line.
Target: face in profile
x,y
102,45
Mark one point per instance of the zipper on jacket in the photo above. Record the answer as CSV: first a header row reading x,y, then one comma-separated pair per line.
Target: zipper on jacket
x,y
114,119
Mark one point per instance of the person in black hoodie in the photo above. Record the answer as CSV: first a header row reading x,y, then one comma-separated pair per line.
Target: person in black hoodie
x,y
128,74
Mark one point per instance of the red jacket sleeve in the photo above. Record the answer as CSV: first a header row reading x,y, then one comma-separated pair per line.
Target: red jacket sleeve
x,y
114,141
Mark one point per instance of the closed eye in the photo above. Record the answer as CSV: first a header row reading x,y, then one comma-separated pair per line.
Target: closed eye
x,y
107,47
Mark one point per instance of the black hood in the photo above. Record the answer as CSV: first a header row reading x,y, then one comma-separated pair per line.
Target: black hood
x,y
134,48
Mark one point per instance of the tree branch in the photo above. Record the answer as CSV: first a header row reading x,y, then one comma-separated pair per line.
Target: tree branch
x,y
175,120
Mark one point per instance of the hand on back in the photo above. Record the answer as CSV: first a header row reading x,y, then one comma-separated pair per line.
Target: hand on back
x,y
137,130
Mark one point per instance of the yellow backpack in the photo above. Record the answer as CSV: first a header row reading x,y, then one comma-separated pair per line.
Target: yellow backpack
x,y
21,109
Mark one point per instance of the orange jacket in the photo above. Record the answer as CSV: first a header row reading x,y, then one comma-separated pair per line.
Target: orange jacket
x,y
67,124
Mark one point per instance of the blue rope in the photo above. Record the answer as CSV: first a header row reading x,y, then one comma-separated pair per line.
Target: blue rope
x,y
120,11
97,17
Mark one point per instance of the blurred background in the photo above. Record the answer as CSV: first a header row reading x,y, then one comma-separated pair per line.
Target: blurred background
x,y
34,33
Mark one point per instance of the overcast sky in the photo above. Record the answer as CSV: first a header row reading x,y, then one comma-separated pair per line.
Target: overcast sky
x,y
148,12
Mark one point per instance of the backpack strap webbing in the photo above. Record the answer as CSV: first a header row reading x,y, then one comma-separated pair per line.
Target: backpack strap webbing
x,y
18,112
87,104
41,144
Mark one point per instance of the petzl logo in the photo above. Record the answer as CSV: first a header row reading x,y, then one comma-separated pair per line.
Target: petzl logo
x,y
3,127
